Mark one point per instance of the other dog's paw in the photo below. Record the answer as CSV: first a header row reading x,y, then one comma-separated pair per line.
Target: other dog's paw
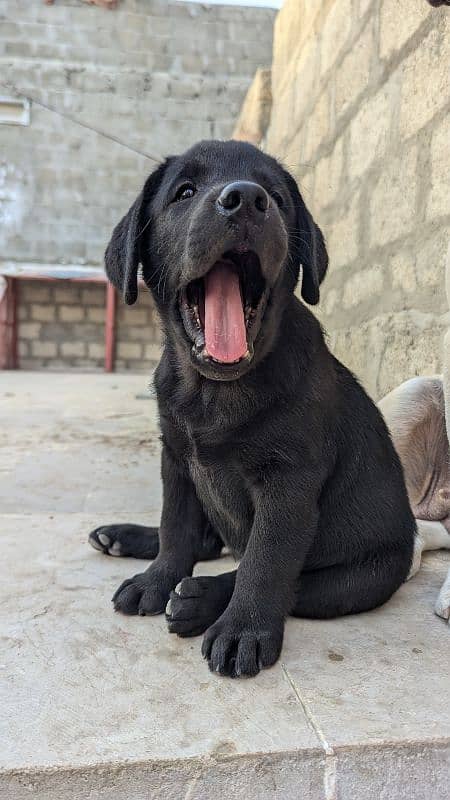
x,y
238,648
195,604
442,607
145,593
125,540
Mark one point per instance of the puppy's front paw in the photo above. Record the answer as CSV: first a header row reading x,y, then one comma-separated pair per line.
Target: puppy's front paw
x,y
145,593
239,648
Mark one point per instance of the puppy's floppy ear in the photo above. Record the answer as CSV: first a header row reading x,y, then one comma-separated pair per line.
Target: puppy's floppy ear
x,y
124,252
310,246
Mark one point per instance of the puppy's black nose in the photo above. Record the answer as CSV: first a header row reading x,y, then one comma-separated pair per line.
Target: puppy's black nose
x,y
242,194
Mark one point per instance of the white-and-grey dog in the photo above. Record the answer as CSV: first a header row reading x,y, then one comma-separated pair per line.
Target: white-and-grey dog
x,y
418,415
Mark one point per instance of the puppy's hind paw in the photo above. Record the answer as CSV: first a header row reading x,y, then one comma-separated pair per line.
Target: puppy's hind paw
x,y
125,540
100,540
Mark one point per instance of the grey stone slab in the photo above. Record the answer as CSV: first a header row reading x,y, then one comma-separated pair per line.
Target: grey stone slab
x,y
409,771
71,443
215,777
89,686
381,676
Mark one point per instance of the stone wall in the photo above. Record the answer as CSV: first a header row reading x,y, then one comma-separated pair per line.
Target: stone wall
x,y
360,114
111,92
62,324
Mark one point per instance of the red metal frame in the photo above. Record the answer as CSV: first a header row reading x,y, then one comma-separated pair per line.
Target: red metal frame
x,y
8,325
110,327
8,317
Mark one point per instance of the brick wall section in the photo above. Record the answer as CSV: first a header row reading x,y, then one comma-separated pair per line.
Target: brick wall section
x,y
61,325
360,114
155,74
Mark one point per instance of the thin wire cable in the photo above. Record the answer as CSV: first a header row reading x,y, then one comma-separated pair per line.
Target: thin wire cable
x,y
11,88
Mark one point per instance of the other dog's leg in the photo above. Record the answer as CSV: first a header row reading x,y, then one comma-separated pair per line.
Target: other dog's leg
x,y
180,535
430,536
442,607
138,541
196,603
348,588
418,415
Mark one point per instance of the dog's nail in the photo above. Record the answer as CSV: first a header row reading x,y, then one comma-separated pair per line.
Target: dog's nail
x,y
104,539
178,587
93,542
169,608
115,550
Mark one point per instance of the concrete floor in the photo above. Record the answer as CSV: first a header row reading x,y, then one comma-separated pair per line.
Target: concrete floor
x,y
97,706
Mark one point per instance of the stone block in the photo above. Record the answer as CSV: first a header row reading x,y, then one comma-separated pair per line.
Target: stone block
x,y
42,313
393,198
43,349
424,80
343,235
335,32
353,75
398,22
363,287
72,349
438,203
96,314
412,346
71,313
35,292
132,315
254,117
317,126
370,131
152,352
328,176
29,330
431,258
305,86
68,294
129,350
403,271
96,350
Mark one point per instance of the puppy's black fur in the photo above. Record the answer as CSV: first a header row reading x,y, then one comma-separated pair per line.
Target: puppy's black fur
x,y
281,456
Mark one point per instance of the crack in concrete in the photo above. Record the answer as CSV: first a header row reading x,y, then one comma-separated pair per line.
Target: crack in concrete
x,y
330,768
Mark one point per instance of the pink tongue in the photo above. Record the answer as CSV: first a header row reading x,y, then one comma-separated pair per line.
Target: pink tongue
x,y
225,335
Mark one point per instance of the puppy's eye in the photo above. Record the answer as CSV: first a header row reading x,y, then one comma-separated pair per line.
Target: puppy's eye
x,y
185,192
278,199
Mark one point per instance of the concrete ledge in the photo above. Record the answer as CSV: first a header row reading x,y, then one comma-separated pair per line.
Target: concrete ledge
x,y
97,706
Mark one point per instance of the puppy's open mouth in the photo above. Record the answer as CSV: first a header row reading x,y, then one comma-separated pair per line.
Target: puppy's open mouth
x,y
222,311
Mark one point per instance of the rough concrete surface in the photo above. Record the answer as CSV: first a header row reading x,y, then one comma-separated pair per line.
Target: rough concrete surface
x,y
98,706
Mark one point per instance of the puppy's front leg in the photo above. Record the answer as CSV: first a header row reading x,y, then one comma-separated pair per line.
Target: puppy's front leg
x,y
180,539
249,634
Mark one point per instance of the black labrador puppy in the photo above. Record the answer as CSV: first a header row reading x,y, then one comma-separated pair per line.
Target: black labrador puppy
x,y
270,446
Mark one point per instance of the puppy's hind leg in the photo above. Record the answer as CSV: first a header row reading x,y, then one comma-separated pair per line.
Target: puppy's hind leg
x,y
135,541
139,541
430,536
